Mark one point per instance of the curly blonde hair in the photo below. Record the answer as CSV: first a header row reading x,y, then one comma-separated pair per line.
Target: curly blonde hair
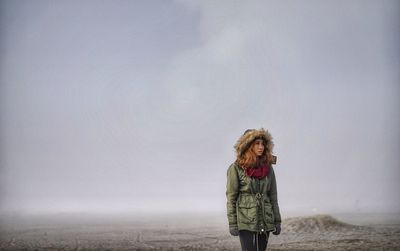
x,y
245,156
250,159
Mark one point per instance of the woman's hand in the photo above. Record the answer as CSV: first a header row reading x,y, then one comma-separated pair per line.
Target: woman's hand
x,y
234,231
277,230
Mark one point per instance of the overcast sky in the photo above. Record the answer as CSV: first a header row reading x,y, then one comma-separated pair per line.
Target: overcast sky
x,y
114,106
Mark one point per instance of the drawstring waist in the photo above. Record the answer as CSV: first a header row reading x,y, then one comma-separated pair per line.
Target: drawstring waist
x,y
260,203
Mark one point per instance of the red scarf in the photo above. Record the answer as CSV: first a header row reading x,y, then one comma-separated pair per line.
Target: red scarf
x,y
259,172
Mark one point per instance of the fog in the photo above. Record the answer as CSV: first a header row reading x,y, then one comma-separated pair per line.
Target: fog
x,y
134,106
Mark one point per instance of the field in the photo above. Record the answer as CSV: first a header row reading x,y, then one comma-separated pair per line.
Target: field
x,y
192,232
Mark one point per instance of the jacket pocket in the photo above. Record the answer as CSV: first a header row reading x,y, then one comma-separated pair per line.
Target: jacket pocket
x,y
247,212
269,213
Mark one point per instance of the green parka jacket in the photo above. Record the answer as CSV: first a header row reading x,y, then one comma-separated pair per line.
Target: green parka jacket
x,y
252,204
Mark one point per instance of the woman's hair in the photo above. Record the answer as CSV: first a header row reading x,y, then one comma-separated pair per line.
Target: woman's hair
x,y
245,156
250,159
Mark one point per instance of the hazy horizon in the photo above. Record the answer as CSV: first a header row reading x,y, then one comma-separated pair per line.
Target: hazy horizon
x,y
134,106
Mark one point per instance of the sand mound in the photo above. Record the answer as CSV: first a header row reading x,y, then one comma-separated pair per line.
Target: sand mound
x,y
317,223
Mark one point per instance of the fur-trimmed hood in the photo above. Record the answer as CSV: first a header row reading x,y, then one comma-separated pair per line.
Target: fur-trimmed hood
x,y
249,136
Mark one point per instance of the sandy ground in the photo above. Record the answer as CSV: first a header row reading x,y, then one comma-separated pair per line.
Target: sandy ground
x,y
191,232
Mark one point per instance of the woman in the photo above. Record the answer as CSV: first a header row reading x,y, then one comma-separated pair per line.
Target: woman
x,y
252,203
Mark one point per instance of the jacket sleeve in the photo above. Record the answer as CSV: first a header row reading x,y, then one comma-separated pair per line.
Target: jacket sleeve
x,y
232,191
273,195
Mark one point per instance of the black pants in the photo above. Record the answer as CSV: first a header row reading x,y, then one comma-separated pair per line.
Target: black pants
x,y
252,241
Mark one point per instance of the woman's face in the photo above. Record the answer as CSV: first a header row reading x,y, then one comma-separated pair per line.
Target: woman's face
x,y
258,147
